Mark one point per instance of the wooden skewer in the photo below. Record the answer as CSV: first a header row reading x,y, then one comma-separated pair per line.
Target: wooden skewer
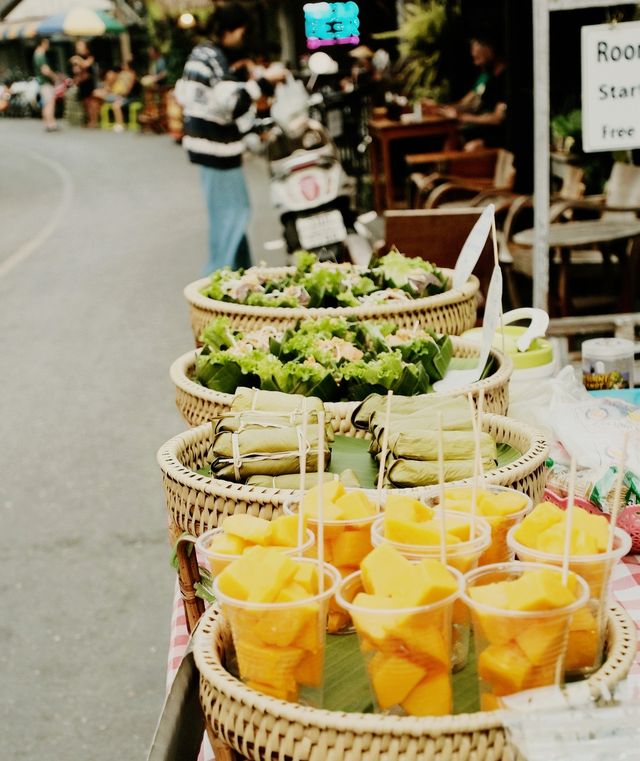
x,y
479,412
303,472
320,516
568,523
383,453
443,523
496,262
476,460
617,494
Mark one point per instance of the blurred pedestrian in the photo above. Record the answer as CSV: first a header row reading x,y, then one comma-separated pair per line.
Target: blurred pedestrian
x,y
218,110
157,69
47,79
83,66
116,90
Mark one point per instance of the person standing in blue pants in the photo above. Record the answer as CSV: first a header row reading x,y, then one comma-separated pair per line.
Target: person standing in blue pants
x,y
218,110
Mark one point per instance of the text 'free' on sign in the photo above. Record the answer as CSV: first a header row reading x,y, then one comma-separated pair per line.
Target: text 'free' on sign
x,y
611,87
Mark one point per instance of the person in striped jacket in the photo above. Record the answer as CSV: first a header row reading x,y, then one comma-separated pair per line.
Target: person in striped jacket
x,y
218,111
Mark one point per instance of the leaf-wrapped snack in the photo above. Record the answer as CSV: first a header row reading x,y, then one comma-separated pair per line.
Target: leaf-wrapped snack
x,y
402,473
272,401
456,445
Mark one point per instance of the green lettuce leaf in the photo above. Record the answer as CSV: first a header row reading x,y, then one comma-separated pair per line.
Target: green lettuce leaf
x,y
218,334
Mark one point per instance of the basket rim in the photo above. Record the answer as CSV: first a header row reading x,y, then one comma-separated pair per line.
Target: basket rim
x,y
450,296
168,458
178,372
620,626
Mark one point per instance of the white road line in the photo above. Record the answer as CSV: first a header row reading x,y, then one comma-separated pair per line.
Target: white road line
x,y
28,248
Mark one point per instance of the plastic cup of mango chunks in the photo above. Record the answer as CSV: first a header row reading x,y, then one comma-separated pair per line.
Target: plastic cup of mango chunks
x,y
498,551
588,627
463,556
407,651
280,646
218,561
346,543
518,650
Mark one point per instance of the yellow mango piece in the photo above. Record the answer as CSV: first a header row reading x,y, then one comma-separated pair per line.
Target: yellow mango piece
x,y
355,505
385,572
500,503
458,494
596,526
494,626
552,540
252,529
372,625
505,667
583,620
289,695
539,590
329,511
496,595
273,666
284,531
306,576
425,643
457,527
331,492
258,575
227,544
350,547
582,650
393,678
407,508
431,697
542,516
541,641
490,702
310,637
438,581
337,620
309,671
426,533
282,627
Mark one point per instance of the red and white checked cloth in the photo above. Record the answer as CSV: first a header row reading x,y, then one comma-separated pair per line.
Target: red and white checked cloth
x,y
626,587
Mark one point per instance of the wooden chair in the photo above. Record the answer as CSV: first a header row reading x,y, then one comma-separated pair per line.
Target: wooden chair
x,y
593,275
459,176
437,235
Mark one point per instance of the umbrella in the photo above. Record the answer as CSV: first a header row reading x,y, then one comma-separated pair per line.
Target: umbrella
x,y
80,22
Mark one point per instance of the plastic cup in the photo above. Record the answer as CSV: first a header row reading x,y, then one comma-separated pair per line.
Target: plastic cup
x,y
407,651
346,543
588,627
280,646
498,551
463,556
518,650
218,561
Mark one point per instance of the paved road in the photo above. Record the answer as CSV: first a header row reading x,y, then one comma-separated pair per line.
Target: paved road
x,y
98,234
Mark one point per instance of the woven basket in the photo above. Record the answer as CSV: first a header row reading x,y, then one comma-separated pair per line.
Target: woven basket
x,y
198,404
261,728
450,312
197,503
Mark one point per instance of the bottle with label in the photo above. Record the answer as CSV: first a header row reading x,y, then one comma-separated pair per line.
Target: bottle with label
x,y
607,363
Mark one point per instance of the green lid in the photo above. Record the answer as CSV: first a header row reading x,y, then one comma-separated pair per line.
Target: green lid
x,y
540,352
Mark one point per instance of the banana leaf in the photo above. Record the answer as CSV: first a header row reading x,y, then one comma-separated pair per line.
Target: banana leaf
x,y
264,464
406,405
223,375
253,420
405,473
288,481
260,440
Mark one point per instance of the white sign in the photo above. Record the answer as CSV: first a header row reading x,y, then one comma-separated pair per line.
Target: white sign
x,y
611,87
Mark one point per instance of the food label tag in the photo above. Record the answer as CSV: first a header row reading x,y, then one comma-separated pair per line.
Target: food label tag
x,y
492,312
472,248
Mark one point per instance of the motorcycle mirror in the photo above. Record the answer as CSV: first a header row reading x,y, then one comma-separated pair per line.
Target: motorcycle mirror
x,y
320,63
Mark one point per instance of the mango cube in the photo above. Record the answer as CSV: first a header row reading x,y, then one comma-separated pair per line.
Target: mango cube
x,y
373,625
309,671
505,667
542,517
539,590
541,641
269,689
306,576
258,575
431,697
248,527
407,508
355,505
269,665
331,492
438,581
350,547
501,502
284,531
385,571
425,643
227,544
393,678
582,650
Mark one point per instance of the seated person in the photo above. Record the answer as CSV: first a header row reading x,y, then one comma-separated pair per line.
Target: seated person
x,y
157,75
483,110
116,89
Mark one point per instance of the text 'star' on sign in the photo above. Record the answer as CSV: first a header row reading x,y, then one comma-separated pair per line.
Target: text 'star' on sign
x,y
611,87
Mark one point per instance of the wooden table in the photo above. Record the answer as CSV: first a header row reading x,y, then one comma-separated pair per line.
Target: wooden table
x,y
385,131
565,236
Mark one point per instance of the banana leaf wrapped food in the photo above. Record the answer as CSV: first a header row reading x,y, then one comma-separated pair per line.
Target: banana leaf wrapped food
x,y
256,450
456,445
292,481
273,401
257,419
373,409
403,473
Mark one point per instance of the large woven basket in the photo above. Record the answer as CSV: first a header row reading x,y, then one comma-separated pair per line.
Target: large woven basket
x,y
199,404
197,503
261,728
450,312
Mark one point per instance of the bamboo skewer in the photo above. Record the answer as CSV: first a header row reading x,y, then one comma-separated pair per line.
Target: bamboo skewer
x,y
496,263
383,453
568,524
478,458
303,472
443,524
617,494
476,466
320,516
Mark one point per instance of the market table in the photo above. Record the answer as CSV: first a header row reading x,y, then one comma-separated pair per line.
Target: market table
x,y
385,131
626,586
566,236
